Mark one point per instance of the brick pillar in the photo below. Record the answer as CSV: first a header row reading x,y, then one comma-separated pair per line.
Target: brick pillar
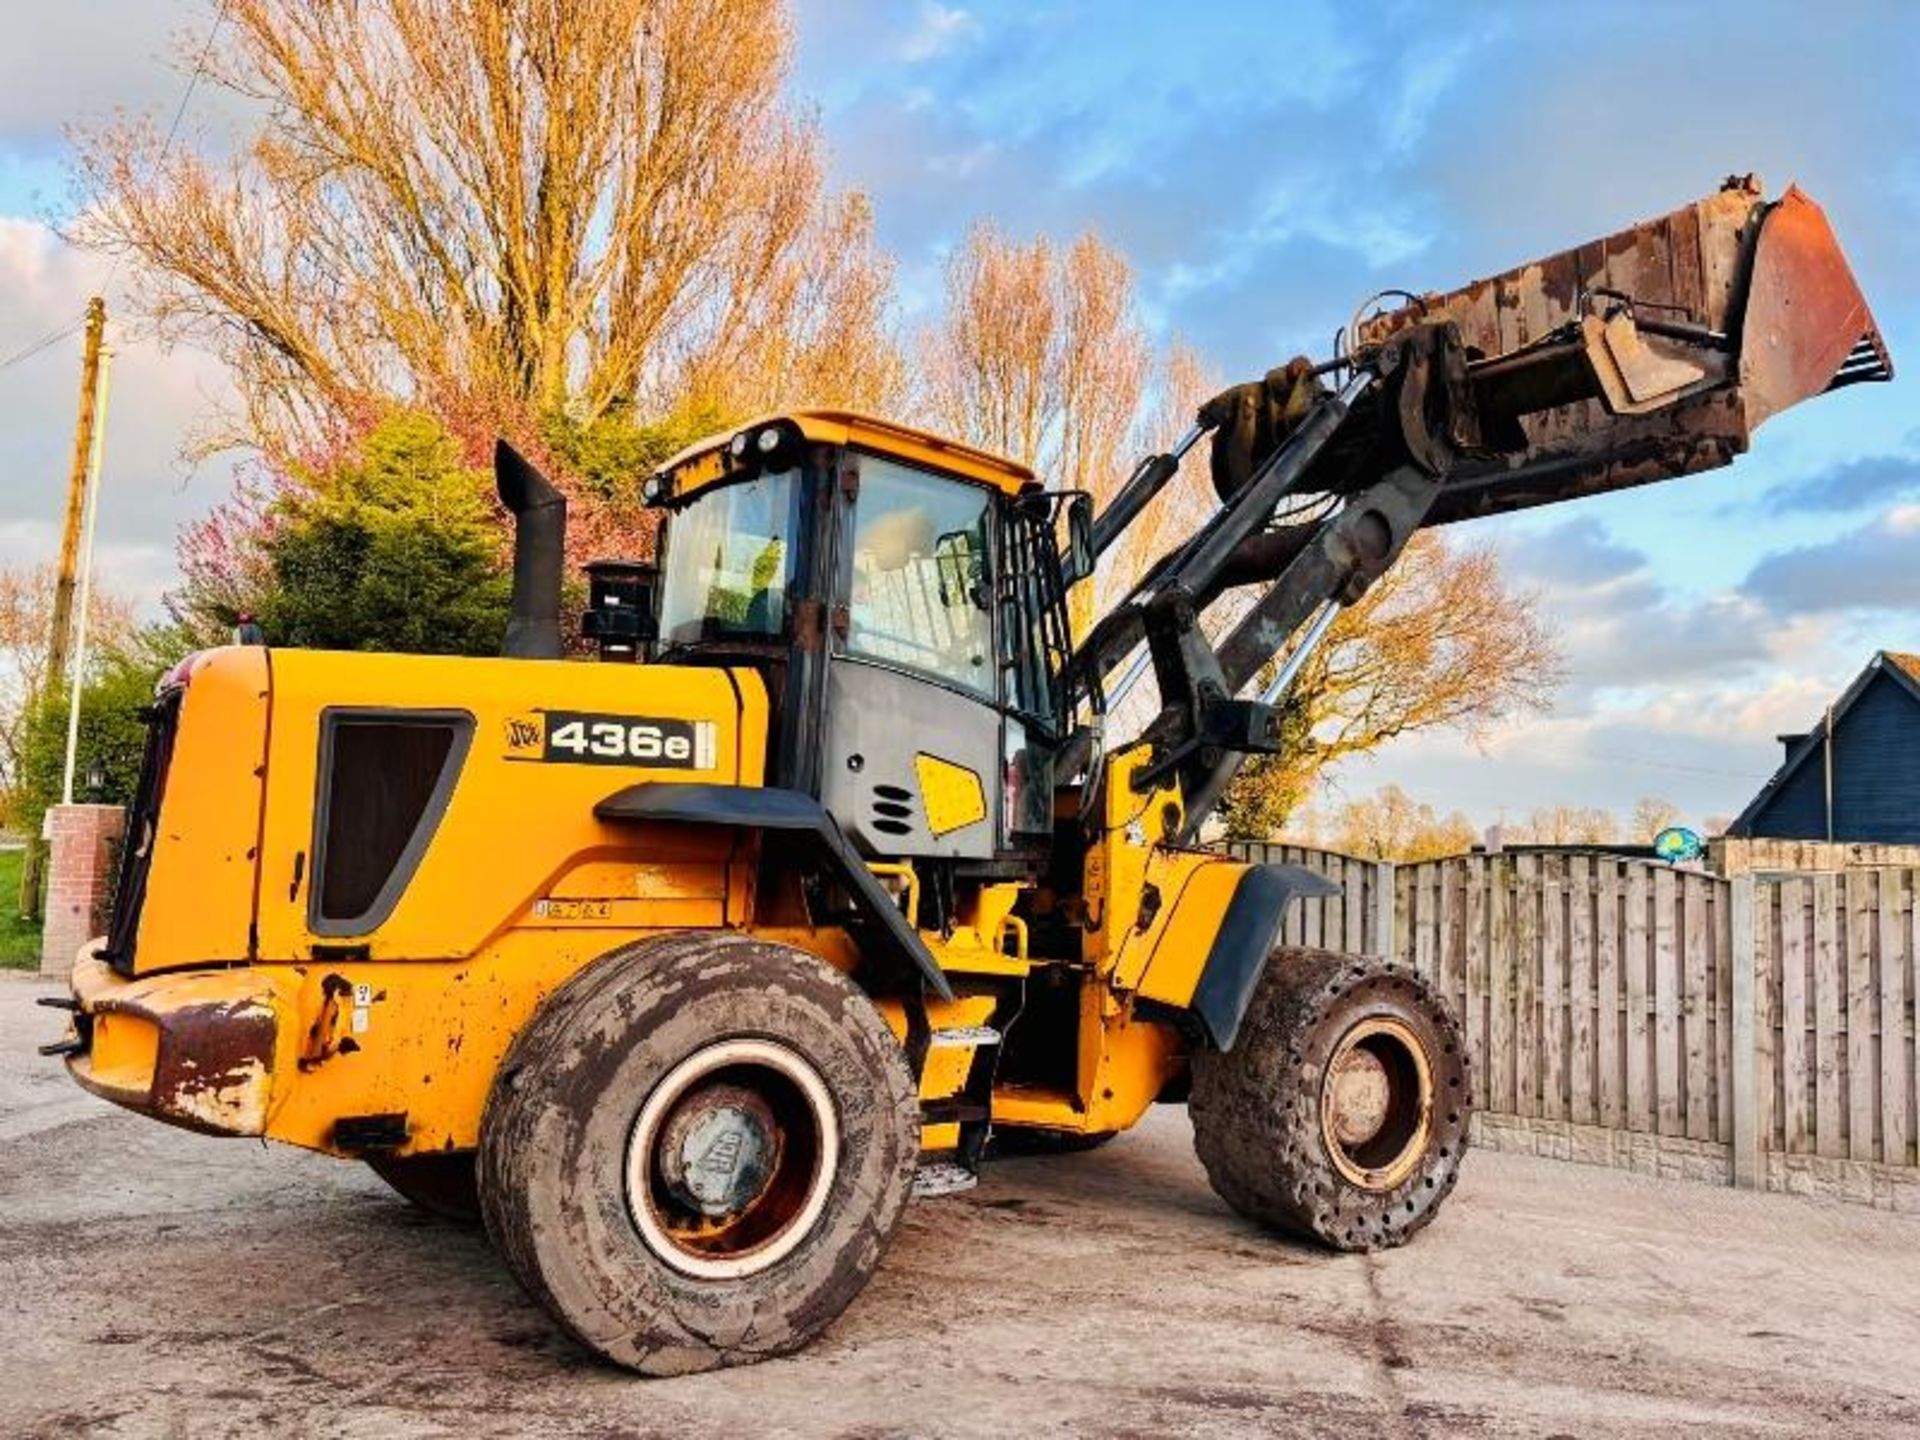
x,y
83,846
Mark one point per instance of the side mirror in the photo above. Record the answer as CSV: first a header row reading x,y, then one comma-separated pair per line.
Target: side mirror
x,y
1080,553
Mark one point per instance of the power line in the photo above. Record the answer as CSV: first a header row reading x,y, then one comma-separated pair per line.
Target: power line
x,y
180,111
193,80
28,352
1645,764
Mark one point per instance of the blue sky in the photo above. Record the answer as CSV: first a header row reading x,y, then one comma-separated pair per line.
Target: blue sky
x,y
1265,167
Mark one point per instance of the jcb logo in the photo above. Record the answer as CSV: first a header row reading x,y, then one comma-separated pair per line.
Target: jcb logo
x,y
525,733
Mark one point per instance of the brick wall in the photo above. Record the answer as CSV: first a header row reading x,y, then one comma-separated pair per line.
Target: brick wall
x,y
83,847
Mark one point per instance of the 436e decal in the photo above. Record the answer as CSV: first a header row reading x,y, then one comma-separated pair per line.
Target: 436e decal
x,y
579,737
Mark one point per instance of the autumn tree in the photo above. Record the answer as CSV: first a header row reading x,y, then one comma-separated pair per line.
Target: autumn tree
x,y
1651,815
1388,825
502,209
1440,642
1040,354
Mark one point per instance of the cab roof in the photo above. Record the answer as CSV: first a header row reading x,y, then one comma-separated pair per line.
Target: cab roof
x,y
703,462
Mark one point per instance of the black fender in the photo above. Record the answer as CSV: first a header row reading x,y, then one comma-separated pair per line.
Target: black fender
x,y
1246,937
791,813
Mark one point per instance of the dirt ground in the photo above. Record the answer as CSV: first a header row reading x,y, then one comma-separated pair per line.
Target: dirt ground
x,y
160,1283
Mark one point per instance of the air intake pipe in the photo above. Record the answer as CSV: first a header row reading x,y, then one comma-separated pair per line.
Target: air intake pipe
x,y
539,551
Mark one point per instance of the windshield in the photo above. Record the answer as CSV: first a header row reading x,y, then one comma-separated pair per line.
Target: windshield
x,y
729,558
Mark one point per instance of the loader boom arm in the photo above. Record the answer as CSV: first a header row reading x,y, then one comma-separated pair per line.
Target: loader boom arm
x,y
1641,357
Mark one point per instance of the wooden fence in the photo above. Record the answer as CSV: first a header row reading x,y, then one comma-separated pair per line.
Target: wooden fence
x,y
1763,1027
1838,972
1593,989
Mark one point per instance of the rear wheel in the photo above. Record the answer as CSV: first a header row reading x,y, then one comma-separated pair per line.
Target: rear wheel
x,y
441,1183
1341,1111
697,1152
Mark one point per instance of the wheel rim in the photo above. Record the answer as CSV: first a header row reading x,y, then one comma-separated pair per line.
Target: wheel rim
x,y
731,1159
1376,1103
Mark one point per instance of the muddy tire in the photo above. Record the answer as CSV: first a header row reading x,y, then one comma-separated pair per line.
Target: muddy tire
x,y
1341,1112
441,1184
697,1152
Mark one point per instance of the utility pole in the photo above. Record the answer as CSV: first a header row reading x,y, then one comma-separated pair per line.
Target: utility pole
x,y
59,635
86,580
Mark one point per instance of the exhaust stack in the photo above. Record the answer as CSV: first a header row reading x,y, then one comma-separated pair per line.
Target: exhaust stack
x,y
539,546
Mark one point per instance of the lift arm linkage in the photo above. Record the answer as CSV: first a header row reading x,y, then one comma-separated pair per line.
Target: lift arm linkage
x,y
1644,356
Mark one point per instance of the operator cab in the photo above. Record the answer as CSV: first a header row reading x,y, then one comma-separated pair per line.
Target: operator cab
x,y
905,598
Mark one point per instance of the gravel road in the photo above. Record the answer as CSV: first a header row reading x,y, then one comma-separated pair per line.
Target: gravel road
x,y
160,1283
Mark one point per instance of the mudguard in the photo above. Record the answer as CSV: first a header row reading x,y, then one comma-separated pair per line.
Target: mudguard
x,y
1248,931
789,812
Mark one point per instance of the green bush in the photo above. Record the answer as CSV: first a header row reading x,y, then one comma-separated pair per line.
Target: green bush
x,y
396,551
111,737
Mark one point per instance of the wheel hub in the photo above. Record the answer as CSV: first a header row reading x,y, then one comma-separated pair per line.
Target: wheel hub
x,y
1360,1096
718,1149
1376,1103
731,1159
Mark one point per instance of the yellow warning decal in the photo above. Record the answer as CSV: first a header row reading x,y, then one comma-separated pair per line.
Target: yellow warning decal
x,y
952,794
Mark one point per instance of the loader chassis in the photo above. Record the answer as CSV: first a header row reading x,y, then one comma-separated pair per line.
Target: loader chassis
x,y
839,873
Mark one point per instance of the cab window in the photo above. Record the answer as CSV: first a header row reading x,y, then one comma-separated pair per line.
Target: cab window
x,y
921,589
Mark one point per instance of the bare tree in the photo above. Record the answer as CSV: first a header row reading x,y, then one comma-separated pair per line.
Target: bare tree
x,y
1440,642
1651,815
1387,825
1565,825
1040,355
502,206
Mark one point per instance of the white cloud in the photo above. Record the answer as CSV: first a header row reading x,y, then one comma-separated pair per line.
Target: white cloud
x,y
963,164
156,398
940,28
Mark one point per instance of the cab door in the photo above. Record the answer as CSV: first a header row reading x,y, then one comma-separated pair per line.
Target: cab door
x,y
913,733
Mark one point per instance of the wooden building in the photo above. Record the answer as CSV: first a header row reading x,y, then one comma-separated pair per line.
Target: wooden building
x,y
1854,778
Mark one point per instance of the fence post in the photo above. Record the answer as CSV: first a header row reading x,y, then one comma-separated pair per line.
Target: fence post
x,y
1383,900
1745,1050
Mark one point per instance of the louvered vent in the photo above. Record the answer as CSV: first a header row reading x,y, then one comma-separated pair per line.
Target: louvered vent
x,y
892,810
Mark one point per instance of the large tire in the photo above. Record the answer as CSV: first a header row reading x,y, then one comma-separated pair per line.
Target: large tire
x,y
1341,1112
441,1183
697,1152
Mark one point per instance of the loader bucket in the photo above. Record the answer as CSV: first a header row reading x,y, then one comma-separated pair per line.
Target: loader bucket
x,y
1654,352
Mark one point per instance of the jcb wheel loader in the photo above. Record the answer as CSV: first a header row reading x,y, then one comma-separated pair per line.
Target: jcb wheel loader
x,y
687,969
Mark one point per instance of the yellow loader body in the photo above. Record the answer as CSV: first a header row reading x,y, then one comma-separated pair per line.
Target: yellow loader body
x,y
243,1016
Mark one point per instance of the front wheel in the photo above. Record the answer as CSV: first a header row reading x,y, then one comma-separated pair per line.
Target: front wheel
x,y
696,1153
1341,1111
